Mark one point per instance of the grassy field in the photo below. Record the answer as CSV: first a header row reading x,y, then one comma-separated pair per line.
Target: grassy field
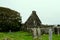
x,y
16,36
25,36
46,37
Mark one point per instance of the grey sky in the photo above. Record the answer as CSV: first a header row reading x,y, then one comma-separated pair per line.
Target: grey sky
x,y
47,10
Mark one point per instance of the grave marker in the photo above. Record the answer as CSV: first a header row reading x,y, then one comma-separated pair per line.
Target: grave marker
x,y
38,33
50,34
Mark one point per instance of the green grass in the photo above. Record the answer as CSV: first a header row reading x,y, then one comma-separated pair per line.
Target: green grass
x,y
16,36
25,36
54,37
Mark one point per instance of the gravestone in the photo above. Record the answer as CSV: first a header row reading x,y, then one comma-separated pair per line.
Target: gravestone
x,y
50,34
38,33
34,33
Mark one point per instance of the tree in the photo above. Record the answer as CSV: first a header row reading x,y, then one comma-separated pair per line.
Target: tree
x,y
9,19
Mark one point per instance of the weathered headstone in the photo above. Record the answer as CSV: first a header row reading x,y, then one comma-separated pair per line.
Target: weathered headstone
x,y
38,33
34,33
50,34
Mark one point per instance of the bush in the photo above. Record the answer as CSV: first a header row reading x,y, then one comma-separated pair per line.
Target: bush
x,y
9,19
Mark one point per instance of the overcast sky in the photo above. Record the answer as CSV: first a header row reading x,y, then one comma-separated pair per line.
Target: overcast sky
x,y
48,11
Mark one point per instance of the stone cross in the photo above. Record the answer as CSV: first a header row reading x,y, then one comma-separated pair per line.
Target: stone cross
x,y
50,34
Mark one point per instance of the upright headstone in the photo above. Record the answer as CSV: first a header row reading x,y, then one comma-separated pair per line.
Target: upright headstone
x,y
34,33
38,33
50,34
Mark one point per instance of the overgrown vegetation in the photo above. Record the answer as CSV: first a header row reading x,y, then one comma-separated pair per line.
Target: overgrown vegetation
x,y
25,36
9,19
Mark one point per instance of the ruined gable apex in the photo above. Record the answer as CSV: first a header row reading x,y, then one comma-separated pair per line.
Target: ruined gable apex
x,y
33,20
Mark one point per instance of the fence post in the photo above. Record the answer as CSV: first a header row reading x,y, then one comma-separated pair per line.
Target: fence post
x,y
50,34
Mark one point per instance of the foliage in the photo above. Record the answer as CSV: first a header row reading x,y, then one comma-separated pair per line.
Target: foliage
x,y
9,19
